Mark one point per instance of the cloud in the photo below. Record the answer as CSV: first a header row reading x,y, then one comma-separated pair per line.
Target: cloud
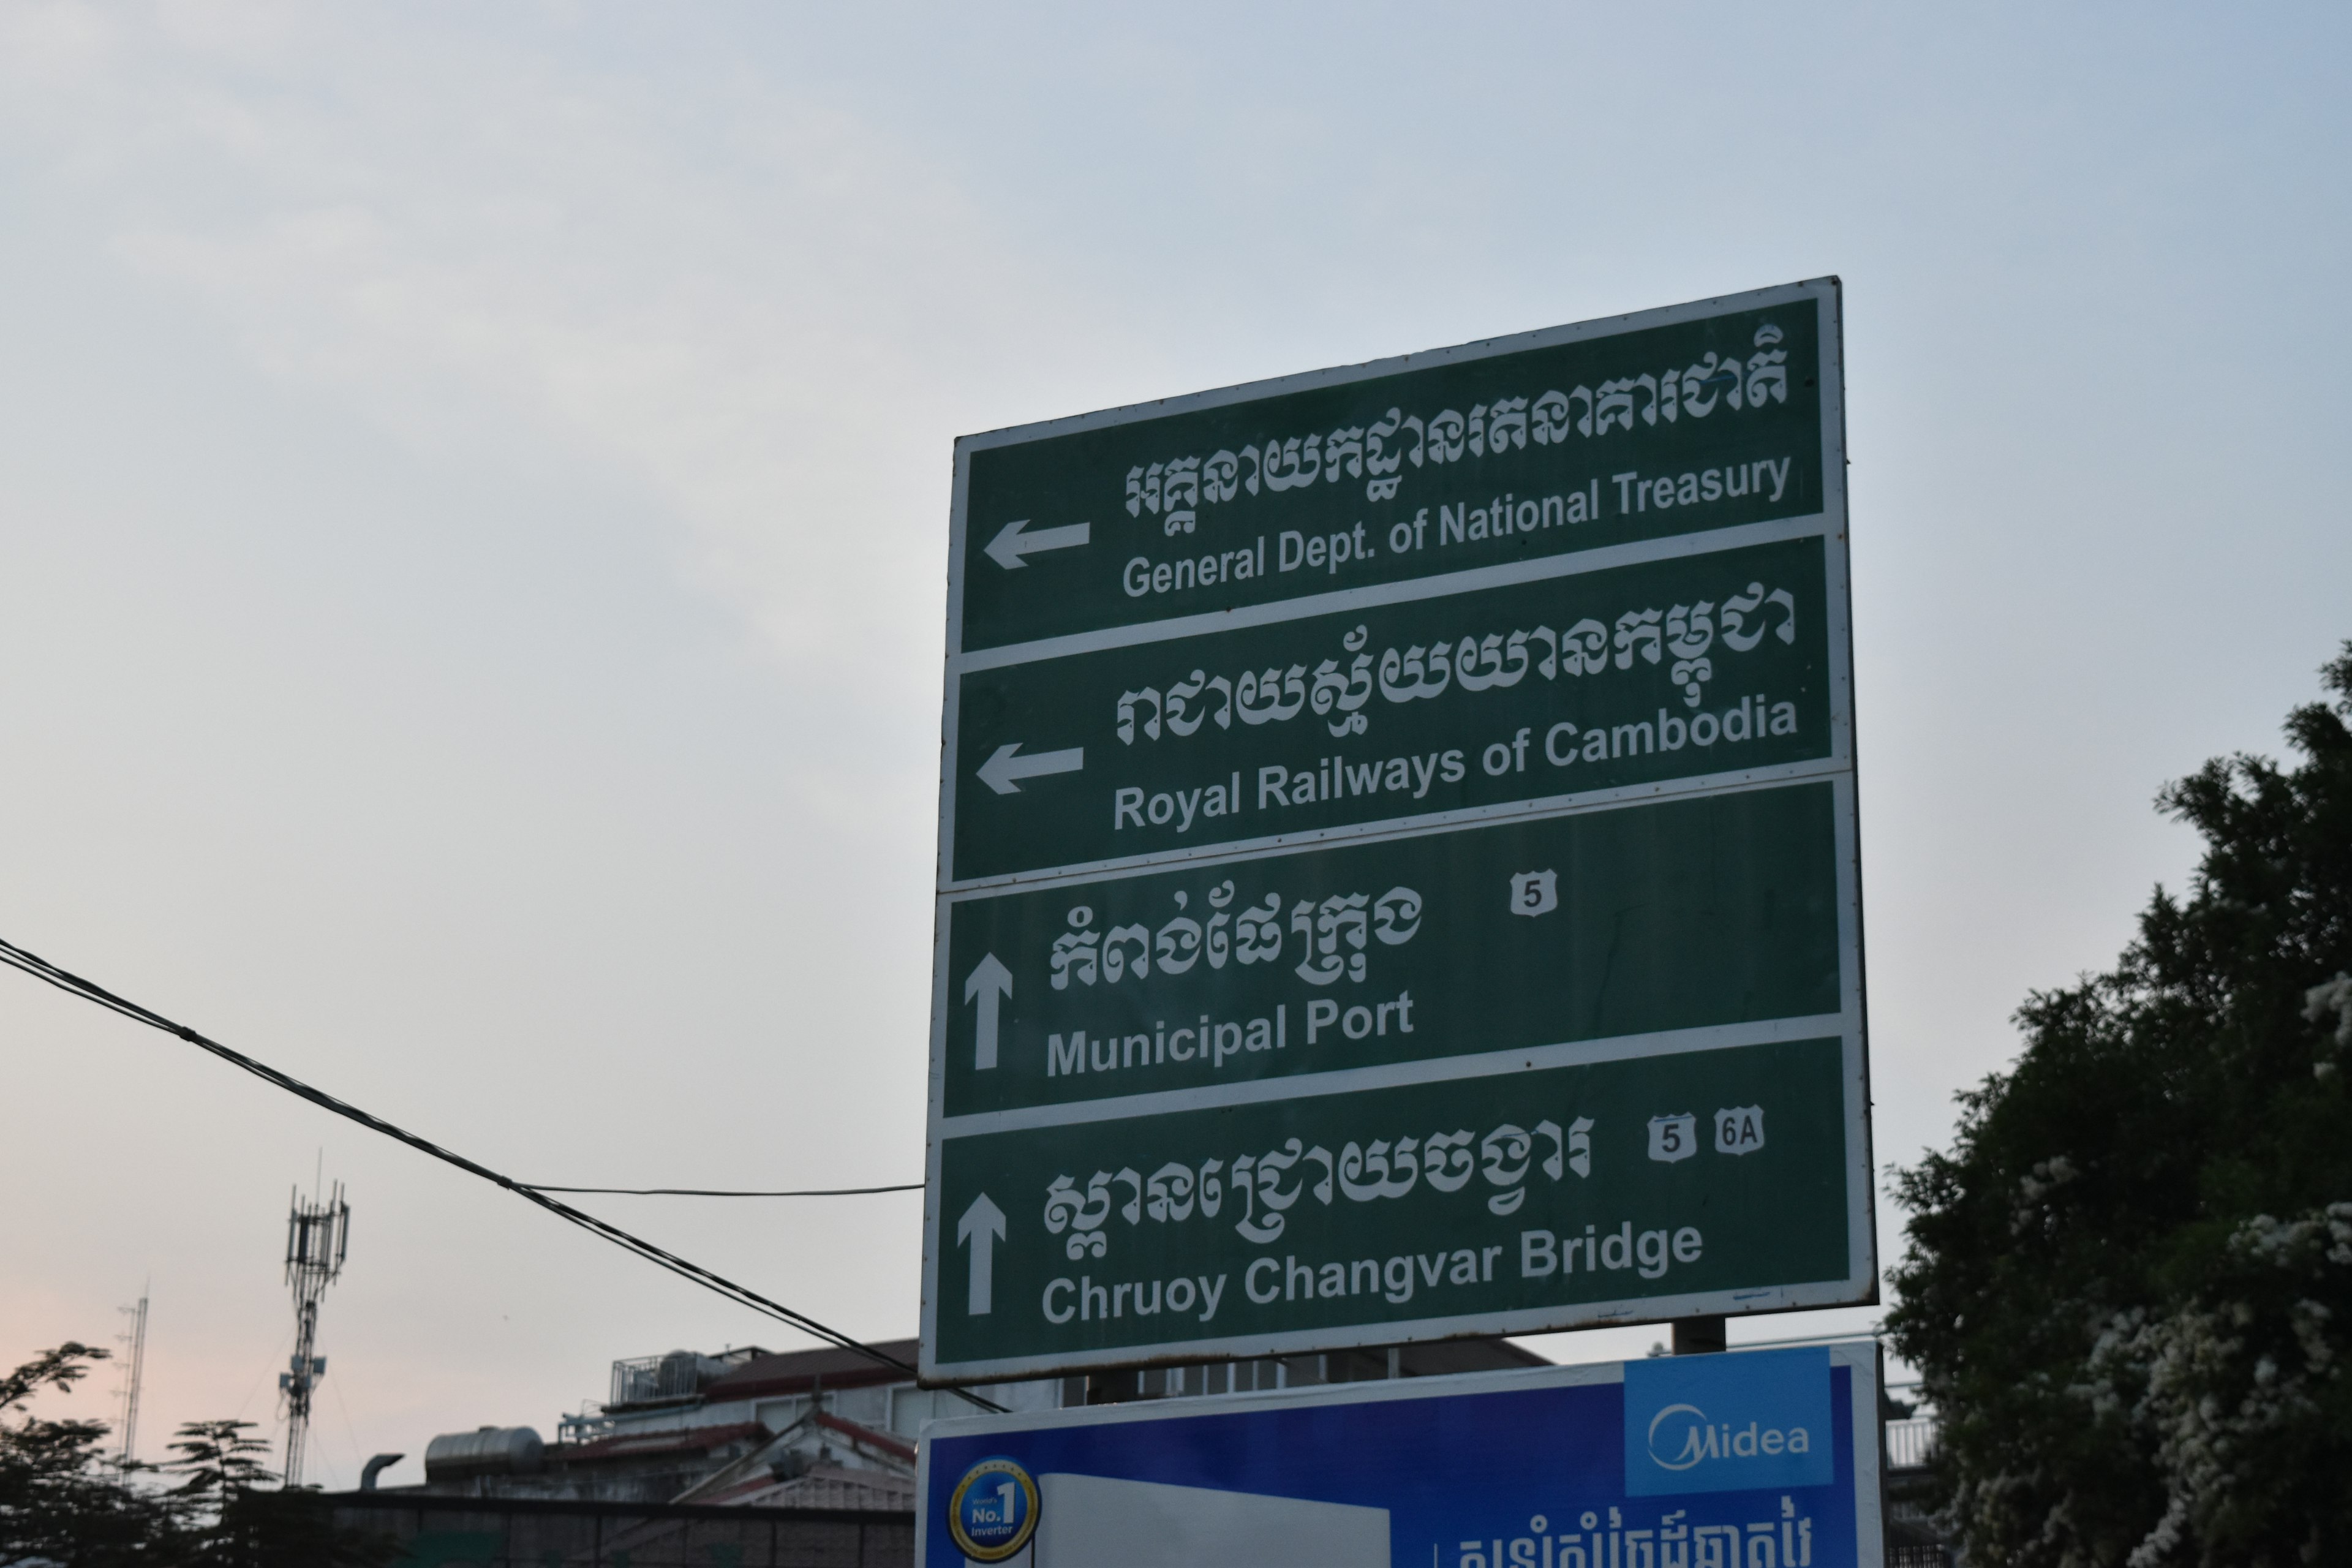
x,y
745,306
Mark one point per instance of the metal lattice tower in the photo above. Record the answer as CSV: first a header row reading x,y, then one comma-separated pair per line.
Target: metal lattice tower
x,y
133,1340
318,1234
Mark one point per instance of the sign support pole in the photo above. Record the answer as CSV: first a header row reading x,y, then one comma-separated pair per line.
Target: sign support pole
x,y
1700,1336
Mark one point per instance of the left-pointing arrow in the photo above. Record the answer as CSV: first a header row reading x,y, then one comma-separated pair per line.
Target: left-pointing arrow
x,y
982,1227
1012,543
1005,767
989,985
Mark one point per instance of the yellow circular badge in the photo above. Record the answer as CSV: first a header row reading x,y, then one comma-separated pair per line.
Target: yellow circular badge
x,y
993,1512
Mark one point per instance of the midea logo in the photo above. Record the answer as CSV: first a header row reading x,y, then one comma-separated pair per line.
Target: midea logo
x,y
1690,1438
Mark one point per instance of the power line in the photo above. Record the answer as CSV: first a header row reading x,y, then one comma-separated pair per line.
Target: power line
x,y
743,1296
725,1192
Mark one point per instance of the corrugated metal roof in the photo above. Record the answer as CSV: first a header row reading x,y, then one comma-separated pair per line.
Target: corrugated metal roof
x,y
882,1441
799,1372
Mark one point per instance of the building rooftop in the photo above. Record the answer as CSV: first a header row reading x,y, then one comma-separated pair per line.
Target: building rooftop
x,y
770,1376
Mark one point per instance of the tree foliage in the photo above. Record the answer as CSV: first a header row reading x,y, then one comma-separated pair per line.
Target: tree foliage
x,y
63,1503
57,1500
2128,1284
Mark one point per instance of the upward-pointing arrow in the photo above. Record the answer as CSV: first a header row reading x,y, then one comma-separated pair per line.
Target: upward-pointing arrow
x,y
989,984
982,1226
1011,544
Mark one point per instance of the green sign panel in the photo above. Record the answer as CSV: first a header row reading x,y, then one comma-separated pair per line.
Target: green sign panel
x,y
1397,860
1692,913
1477,1205
1689,667
1495,453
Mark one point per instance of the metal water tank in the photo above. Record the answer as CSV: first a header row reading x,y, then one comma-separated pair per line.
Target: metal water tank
x,y
487,1451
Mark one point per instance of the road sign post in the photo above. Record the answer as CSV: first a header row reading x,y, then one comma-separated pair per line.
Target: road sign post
x,y
1398,872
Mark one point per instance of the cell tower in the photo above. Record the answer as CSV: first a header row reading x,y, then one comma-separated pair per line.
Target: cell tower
x,y
318,1234
133,1341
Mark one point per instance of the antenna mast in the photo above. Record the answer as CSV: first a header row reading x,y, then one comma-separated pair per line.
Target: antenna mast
x,y
317,1235
133,1341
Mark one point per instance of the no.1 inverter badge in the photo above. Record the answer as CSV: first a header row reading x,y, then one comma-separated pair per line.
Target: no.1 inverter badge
x,y
994,1511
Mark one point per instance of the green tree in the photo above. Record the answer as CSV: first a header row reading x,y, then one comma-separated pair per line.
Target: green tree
x,y
62,1503
59,1501
217,1462
2128,1284
240,1523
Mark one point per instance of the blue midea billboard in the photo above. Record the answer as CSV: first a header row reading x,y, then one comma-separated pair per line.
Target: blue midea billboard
x,y
1757,1459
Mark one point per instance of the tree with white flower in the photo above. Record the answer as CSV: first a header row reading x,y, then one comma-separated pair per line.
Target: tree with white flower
x,y
2129,1285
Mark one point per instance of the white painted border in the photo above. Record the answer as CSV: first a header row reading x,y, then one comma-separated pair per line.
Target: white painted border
x,y
1391,827
1861,1286
1395,1075
1410,590
1860,1357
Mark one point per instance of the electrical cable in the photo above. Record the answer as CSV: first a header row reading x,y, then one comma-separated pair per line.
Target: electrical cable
x,y
358,1459
277,1358
743,1296
723,1191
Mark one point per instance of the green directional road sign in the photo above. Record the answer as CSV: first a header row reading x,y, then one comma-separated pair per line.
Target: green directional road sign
x,y
1398,872
1409,709
1646,427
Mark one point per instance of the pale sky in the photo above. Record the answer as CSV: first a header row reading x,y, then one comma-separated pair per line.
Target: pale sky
x,y
474,490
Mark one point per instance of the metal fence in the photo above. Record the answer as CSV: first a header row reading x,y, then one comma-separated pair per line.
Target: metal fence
x,y
512,1532
1908,1556
1910,1444
643,1379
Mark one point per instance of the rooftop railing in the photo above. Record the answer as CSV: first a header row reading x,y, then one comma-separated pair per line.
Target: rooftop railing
x,y
645,1380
